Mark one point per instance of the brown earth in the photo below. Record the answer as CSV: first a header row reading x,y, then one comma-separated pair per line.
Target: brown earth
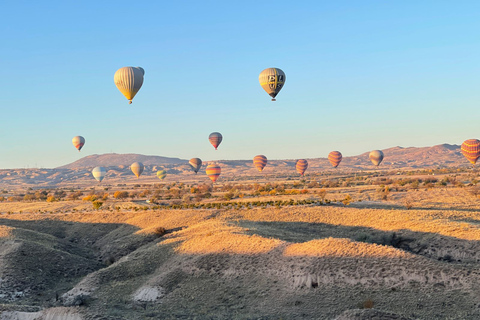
x,y
292,262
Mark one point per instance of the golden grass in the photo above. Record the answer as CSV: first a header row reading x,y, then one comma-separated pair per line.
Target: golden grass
x,y
340,247
381,219
6,232
214,236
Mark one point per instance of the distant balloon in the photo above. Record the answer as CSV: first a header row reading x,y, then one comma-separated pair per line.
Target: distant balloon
x,y
471,150
272,81
78,142
99,173
335,157
196,164
260,162
301,166
161,174
213,171
215,139
129,80
376,156
137,168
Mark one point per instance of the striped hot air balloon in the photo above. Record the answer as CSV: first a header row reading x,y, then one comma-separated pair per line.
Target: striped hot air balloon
x,y
272,81
260,162
161,174
129,80
471,150
78,142
376,156
301,166
335,157
137,168
215,139
196,164
99,173
213,171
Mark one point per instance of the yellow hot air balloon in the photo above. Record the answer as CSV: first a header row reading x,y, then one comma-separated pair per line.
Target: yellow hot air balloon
x,y
129,80
272,81
137,168
161,174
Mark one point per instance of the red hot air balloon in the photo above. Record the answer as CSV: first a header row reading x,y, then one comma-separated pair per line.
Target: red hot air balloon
x,y
213,171
215,139
335,157
301,166
260,162
471,150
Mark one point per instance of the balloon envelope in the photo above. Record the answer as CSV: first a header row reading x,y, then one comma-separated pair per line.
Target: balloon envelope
x,y
195,163
99,173
213,171
272,81
376,156
301,166
471,150
215,139
137,168
129,80
335,157
161,174
260,162
78,142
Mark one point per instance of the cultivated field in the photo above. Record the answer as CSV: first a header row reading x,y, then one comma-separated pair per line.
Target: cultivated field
x,y
347,245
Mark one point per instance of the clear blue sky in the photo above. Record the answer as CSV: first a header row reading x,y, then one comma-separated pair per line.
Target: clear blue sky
x,y
361,75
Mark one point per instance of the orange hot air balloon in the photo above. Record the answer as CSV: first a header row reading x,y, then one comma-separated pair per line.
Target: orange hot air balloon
x,y
335,157
215,139
471,150
260,162
301,166
213,171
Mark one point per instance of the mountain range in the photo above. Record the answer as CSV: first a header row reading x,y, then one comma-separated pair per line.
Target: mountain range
x,y
78,172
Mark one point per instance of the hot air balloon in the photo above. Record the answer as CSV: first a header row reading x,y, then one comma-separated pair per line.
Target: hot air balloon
x,y
215,139
196,164
260,162
129,80
78,142
376,156
272,81
301,166
99,173
213,171
335,157
161,174
471,150
137,168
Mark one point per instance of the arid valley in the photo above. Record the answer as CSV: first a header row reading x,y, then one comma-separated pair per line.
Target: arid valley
x,y
400,241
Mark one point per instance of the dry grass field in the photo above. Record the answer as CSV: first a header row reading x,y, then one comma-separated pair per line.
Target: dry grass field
x,y
346,246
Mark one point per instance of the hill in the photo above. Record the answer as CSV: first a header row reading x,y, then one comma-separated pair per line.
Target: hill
x,y
114,159
118,167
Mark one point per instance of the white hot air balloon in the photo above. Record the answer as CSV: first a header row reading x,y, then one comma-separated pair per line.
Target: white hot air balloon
x,y
99,173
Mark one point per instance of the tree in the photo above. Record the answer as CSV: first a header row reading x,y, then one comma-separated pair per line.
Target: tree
x,y
120,195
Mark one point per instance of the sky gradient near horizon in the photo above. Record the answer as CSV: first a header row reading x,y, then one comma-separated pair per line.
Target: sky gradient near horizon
x,y
360,76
